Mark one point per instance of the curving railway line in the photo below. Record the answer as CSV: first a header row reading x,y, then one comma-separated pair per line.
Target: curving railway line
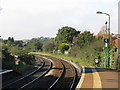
x,y
52,73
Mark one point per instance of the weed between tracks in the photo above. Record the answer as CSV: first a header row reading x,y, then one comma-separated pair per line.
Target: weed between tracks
x,y
73,59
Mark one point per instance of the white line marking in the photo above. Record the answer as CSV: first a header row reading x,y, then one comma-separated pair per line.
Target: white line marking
x,y
82,78
96,79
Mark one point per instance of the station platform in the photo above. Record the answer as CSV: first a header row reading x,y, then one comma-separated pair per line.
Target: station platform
x,y
5,71
99,78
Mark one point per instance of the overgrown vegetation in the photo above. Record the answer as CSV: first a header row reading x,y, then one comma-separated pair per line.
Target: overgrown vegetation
x,y
15,57
66,35
63,47
82,48
76,60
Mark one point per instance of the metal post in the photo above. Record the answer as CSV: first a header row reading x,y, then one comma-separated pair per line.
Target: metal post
x,y
106,49
108,62
109,42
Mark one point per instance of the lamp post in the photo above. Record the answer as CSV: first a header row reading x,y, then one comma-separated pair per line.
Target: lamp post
x,y
108,61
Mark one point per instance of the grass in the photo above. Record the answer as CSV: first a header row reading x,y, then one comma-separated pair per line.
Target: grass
x,y
68,57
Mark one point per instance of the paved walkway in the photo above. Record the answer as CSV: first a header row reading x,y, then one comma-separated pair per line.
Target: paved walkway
x,y
99,78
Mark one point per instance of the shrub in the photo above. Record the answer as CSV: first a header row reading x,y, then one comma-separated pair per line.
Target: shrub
x,y
49,47
63,47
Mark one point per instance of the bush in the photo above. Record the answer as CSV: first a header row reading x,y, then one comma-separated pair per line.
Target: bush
x,y
21,66
84,39
63,47
88,52
49,47
74,51
28,59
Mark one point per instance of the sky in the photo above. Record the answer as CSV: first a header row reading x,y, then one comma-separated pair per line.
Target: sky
x,y
26,19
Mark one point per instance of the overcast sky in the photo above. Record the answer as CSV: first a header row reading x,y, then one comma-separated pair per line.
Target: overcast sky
x,y
25,19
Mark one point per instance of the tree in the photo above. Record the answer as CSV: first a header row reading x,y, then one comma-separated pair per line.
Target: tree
x,y
9,38
12,39
5,53
65,35
16,50
48,46
84,39
45,39
63,47
19,43
34,45
102,33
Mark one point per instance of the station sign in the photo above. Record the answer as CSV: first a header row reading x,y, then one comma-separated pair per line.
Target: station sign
x,y
106,40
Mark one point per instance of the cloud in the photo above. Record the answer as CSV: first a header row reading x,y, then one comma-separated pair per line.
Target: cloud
x,y
33,18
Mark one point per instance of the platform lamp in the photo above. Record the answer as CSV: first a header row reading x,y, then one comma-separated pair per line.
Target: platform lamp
x,y
107,40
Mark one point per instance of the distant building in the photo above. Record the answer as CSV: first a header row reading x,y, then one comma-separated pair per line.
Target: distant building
x,y
117,36
26,41
117,41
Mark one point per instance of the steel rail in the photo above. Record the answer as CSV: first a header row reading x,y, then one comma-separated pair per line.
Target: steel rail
x,y
26,85
28,75
63,71
75,76
74,72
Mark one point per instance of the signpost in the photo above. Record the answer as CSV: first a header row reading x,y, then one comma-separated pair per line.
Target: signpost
x,y
106,40
107,58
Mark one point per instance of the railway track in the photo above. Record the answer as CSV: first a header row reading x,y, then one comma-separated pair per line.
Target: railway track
x,y
68,79
55,73
44,67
